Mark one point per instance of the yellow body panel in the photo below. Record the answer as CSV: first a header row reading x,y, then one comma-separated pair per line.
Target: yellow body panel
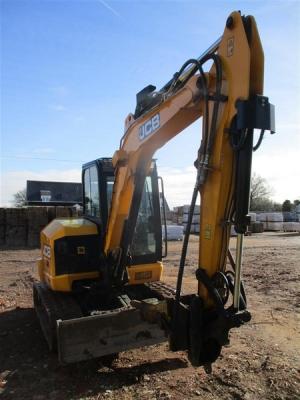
x,y
63,283
63,227
59,228
143,273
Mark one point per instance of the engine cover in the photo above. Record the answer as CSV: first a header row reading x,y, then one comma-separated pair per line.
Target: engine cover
x,y
70,251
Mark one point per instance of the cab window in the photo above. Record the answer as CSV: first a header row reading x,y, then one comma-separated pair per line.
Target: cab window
x,y
109,189
91,192
144,240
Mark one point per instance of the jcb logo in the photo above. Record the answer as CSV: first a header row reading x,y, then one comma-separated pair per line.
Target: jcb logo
x,y
149,127
47,251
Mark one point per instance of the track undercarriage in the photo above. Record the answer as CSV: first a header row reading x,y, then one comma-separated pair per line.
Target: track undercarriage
x,y
86,325
94,324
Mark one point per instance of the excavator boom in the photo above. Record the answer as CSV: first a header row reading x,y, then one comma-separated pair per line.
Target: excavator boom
x,y
229,98
236,75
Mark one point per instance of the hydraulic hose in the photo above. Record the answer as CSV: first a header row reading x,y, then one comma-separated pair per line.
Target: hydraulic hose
x,y
183,257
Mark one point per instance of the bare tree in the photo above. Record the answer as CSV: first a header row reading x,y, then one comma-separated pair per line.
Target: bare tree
x,y
20,198
260,194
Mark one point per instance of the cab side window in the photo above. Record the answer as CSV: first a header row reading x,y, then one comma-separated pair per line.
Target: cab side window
x,y
87,192
144,241
91,192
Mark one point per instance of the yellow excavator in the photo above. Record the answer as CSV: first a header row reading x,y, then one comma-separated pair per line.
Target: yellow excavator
x,y
100,289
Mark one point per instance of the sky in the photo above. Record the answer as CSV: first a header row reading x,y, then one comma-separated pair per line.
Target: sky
x,y
70,71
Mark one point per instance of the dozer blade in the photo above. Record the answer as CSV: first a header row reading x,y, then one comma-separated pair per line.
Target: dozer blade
x,y
99,335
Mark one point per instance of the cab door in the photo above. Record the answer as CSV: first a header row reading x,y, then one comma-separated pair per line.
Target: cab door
x,y
147,240
98,180
91,192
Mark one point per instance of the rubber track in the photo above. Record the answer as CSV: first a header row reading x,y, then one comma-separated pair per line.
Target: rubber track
x,y
59,305
55,306
162,290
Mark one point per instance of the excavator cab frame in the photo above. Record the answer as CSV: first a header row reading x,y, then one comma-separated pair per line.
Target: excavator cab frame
x,y
98,180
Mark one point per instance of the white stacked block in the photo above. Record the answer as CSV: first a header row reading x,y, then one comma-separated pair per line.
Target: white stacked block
x,y
291,226
274,226
174,232
252,216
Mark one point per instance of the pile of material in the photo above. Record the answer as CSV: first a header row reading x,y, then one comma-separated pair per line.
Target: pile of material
x,y
37,219
15,220
21,227
2,226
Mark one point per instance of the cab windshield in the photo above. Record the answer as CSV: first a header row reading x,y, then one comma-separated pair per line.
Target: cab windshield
x,y
97,203
144,242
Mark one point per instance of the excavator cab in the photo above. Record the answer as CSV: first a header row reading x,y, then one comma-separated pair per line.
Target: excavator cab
x,y
73,248
98,180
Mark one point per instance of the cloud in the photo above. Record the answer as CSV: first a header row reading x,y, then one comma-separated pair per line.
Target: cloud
x,y
178,184
43,150
57,107
280,168
60,91
13,181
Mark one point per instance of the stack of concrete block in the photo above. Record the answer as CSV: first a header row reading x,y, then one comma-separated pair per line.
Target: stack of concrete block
x,y
20,227
174,232
51,212
63,212
291,226
77,211
262,217
37,219
169,215
289,216
297,212
195,227
177,215
274,221
15,227
257,227
252,216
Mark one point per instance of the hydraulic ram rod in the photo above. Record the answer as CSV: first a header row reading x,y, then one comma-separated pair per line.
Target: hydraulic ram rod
x,y
238,270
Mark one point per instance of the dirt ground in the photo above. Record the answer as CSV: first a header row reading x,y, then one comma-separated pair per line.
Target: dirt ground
x,y
262,361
